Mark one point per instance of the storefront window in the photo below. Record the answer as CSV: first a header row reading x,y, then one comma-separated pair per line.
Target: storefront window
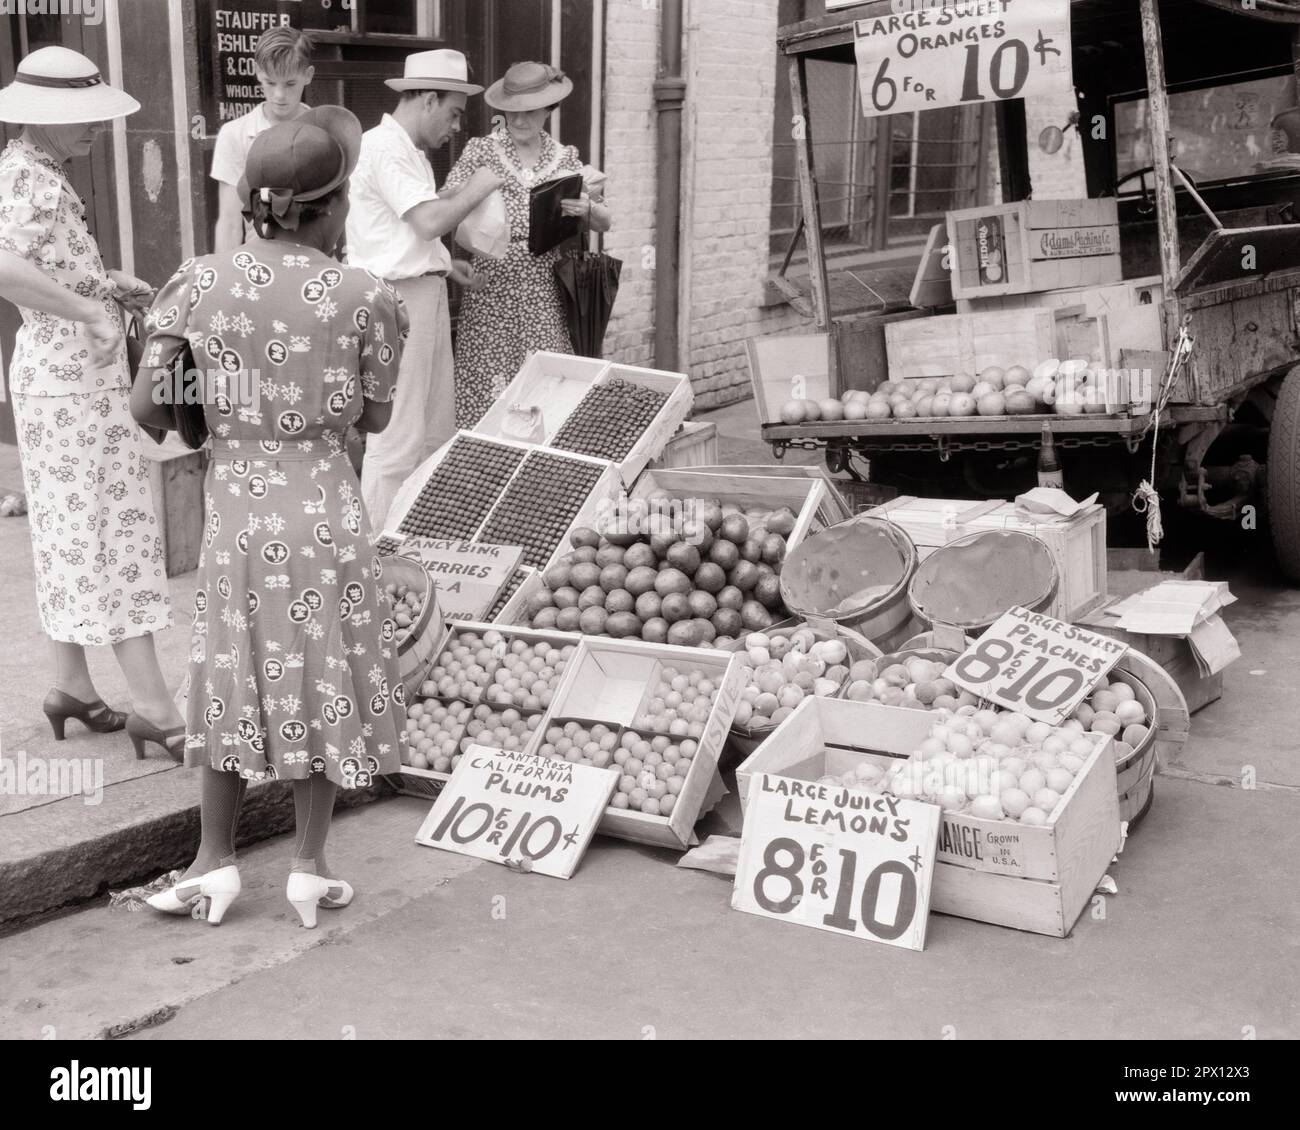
x,y
421,18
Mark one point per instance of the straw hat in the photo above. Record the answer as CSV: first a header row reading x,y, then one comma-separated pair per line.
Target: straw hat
x,y
58,87
301,160
435,70
528,86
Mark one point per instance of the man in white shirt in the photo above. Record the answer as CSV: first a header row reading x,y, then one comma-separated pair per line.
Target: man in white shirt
x,y
394,230
283,63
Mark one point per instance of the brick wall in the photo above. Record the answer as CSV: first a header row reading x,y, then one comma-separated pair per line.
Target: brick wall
x,y
631,65
729,62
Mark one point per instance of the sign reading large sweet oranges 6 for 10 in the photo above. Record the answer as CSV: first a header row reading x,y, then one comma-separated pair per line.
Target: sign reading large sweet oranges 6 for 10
x,y
928,54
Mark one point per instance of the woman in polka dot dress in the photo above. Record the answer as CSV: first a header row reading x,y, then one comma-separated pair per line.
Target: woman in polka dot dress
x,y
514,305
293,671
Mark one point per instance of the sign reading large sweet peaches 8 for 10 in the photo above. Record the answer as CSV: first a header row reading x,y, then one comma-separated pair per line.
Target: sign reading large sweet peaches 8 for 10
x,y
929,54
1035,664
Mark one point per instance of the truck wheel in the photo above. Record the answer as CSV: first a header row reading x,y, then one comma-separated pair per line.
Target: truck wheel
x,y
1284,477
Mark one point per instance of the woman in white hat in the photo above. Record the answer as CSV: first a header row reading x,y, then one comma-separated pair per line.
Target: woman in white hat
x,y
514,306
99,565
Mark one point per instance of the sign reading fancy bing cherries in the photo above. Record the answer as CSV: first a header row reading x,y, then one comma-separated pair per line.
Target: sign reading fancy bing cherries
x,y
928,54
1036,665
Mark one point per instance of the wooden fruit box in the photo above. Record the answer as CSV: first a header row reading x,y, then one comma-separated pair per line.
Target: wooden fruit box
x,y
427,782
606,489
947,344
671,416
1033,245
784,367
1078,546
694,445
807,498
609,681
1037,879
553,382
556,383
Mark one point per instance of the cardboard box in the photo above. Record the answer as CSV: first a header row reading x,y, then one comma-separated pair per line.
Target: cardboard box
x,y
1030,878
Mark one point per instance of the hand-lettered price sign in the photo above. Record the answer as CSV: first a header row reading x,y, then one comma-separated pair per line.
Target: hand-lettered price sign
x,y
467,576
1039,666
927,54
837,859
528,812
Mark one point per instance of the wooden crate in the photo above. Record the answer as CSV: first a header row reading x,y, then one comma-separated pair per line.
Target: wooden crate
x,y
610,681
1078,546
694,445
553,382
948,344
671,416
1033,245
1173,654
556,383
807,498
836,507
606,489
427,782
176,476
1037,879
784,367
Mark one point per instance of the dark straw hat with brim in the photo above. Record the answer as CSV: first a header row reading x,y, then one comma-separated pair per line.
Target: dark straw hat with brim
x,y
300,161
528,86
58,87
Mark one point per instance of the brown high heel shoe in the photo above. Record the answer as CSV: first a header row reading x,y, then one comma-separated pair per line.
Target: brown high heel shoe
x,y
139,730
96,716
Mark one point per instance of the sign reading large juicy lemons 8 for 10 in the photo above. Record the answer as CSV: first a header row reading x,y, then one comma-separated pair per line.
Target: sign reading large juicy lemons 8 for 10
x,y
837,859
1035,664
928,54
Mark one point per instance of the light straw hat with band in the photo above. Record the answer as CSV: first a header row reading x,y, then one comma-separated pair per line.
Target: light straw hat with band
x,y
294,163
58,87
528,86
443,69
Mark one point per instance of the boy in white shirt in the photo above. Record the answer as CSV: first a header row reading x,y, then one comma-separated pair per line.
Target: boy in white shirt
x,y
284,70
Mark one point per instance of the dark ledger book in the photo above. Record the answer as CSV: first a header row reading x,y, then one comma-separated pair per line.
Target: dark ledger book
x,y
548,226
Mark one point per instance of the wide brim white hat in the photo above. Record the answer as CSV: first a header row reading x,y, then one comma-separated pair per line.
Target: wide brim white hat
x,y
58,87
435,70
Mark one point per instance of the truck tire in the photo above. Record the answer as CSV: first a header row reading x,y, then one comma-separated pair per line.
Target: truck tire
x,y
1284,477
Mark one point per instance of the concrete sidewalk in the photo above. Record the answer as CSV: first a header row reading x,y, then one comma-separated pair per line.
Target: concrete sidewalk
x,y
1196,945
59,851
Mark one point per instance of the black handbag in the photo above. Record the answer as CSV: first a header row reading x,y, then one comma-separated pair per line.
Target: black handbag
x,y
188,420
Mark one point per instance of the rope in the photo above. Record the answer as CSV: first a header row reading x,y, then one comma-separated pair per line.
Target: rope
x,y
1146,500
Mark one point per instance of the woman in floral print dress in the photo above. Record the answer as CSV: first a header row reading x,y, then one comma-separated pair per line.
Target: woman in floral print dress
x,y
294,672
95,537
514,306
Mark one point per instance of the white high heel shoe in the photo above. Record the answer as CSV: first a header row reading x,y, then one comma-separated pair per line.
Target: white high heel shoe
x,y
307,892
205,898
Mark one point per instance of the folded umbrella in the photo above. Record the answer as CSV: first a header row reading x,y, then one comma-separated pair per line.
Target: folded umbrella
x,y
588,282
